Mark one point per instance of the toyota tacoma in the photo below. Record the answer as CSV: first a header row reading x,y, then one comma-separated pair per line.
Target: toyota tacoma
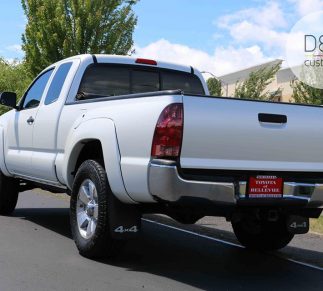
x,y
125,136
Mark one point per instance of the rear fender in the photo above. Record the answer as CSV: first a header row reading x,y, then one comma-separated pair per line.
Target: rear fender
x,y
102,129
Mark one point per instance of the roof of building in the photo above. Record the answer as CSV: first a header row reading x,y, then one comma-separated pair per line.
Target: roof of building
x,y
244,73
285,75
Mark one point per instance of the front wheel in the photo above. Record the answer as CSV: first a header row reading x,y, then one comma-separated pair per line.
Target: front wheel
x,y
89,212
261,234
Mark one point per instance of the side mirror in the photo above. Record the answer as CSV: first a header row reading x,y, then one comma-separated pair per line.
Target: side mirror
x,y
8,99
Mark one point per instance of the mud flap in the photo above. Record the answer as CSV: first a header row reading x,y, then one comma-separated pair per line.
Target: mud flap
x,y
298,224
124,219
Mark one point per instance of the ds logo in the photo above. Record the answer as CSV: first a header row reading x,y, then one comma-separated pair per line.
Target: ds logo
x,y
312,43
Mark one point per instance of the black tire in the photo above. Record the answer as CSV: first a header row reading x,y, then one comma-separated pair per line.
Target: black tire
x,y
185,218
262,235
100,244
8,194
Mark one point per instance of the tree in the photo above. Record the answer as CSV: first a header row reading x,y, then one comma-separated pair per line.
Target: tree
x,y
254,87
303,93
214,86
14,78
59,29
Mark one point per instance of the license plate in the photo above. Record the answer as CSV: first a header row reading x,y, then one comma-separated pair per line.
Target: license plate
x,y
265,187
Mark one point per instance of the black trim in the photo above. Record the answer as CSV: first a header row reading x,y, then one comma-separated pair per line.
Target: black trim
x,y
95,60
162,162
243,175
192,70
128,96
253,100
272,118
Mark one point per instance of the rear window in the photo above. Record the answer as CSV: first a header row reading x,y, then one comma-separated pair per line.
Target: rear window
x,y
145,81
107,80
189,83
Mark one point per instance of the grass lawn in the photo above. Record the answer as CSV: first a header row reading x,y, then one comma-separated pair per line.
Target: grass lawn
x,y
317,225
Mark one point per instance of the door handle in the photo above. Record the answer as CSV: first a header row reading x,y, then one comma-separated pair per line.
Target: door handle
x,y
272,118
30,120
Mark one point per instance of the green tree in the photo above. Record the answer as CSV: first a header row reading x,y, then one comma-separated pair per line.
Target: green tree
x,y
59,29
14,78
214,86
254,87
303,93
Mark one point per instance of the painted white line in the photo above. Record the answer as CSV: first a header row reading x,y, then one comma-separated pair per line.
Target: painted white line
x,y
301,263
193,233
230,243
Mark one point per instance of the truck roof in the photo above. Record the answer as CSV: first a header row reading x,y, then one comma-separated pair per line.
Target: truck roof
x,y
117,59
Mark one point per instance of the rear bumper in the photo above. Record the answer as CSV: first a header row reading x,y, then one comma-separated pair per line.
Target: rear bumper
x,y
166,184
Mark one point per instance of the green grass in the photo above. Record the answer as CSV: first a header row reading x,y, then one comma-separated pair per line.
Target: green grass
x,y
317,225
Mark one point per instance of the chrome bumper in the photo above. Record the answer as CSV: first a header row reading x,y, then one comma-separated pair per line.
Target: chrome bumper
x,y
166,184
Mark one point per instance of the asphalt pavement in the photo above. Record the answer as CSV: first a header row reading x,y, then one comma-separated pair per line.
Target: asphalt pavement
x,y
37,253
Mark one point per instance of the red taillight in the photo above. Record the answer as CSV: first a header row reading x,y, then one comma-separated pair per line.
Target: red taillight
x,y
168,134
146,62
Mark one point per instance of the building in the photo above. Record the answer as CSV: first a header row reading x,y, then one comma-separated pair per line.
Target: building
x,y
281,81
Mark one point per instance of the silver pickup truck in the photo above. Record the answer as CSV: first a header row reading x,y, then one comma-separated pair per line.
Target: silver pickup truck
x,y
126,136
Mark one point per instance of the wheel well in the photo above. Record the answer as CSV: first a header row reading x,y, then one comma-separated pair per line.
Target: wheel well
x,y
92,150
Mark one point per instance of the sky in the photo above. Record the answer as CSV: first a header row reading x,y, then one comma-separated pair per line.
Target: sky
x,y
219,36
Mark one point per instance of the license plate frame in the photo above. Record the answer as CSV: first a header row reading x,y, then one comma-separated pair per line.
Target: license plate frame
x,y
265,186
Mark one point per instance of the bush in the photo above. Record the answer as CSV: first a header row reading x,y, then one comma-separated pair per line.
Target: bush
x,y
13,78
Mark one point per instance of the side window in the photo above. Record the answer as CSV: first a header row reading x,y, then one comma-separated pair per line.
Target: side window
x,y
57,83
35,92
145,81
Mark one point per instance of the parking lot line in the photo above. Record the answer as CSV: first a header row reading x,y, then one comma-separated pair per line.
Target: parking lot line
x,y
230,243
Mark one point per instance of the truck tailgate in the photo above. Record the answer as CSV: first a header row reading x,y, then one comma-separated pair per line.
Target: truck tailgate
x,y
225,133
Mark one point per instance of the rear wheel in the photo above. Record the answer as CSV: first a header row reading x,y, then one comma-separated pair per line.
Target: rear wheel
x,y
259,234
185,218
8,194
89,212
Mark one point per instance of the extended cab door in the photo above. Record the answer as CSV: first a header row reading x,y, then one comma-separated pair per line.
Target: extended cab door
x,y
45,149
20,128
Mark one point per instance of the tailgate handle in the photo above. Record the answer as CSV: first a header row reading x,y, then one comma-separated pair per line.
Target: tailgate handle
x,y
272,118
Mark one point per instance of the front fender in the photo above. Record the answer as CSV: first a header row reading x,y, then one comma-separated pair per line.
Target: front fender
x,y
102,129
3,167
